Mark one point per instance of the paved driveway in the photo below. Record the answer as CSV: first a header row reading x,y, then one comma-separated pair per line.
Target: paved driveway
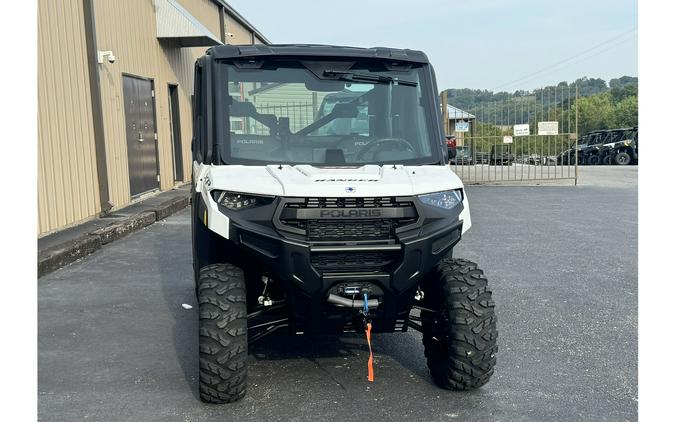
x,y
115,343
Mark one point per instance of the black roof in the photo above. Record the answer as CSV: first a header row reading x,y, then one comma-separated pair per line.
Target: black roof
x,y
316,50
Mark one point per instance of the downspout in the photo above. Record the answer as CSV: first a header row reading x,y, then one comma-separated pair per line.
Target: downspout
x,y
96,105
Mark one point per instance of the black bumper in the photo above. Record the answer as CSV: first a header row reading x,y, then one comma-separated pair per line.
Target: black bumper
x,y
417,251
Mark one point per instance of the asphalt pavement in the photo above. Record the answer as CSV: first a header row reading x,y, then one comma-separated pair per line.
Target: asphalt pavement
x,y
115,342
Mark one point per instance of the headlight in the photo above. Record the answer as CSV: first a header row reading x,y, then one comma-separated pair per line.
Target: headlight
x,y
448,199
239,201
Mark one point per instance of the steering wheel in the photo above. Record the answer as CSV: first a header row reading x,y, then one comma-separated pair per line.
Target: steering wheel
x,y
382,141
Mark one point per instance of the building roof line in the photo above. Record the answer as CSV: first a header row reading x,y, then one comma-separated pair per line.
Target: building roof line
x,y
242,20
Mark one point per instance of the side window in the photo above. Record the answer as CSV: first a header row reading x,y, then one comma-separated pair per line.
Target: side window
x,y
197,122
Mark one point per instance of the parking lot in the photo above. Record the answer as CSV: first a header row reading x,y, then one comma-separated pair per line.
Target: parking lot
x,y
115,343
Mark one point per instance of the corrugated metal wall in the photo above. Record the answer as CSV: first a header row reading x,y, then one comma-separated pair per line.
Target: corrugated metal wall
x,y
128,28
240,35
67,181
68,186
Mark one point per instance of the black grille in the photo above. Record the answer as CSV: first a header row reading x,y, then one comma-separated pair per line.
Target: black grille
x,y
335,229
384,202
358,229
349,262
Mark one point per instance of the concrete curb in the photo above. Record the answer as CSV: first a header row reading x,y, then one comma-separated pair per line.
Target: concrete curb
x,y
122,228
169,207
66,253
58,256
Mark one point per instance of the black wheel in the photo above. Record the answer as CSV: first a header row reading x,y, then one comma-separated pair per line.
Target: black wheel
x,y
223,338
606,160
459,331
593,160
622,158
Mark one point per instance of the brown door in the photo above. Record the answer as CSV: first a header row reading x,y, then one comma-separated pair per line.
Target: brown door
x,y
139,114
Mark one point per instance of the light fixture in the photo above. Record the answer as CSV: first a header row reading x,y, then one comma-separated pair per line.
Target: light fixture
x,y
103,54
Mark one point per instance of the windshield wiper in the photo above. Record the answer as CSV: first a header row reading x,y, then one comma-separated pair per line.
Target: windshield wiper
x,y
354,76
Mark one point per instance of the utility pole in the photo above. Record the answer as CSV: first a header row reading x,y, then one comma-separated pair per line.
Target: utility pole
x,y
444,110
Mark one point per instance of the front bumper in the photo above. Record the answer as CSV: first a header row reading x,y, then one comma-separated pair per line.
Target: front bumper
x,y
416,249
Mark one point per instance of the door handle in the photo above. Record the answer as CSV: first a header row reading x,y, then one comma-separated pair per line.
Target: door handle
x,y
140,137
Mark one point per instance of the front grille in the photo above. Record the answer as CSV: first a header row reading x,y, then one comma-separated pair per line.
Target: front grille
x,y
353,261
349,230
329,219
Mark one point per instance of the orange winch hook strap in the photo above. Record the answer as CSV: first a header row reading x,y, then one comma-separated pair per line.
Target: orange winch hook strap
x,y
371,375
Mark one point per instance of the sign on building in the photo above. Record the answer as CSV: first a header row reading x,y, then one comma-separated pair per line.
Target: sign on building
x,y
521,130
547,128
508,139
461,126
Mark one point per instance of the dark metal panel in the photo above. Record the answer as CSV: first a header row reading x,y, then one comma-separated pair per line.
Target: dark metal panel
x,y
176,139
140,132
149,144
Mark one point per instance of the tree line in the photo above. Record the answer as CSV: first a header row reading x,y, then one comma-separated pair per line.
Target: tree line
x,y
602,105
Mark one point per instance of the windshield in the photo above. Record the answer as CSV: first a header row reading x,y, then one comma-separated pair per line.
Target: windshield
x,y
295,113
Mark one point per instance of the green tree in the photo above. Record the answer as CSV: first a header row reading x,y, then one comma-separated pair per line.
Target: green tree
x,y
626,112
596,112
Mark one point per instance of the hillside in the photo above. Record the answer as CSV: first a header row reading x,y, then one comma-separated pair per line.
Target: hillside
x,y
602,105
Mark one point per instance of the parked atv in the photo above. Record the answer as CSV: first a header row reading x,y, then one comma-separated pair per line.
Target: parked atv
x,y
591,153
625,151
313,231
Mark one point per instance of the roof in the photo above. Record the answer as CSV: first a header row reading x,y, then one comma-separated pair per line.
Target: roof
x,y
455,113
317,50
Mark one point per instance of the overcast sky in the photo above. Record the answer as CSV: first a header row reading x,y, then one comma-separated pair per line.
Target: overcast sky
x,y
487,44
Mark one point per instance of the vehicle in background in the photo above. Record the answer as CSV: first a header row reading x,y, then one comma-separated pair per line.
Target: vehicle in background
x,y
463,156
357,126
591,153
623,150
566,157
500,154
481,157
451,142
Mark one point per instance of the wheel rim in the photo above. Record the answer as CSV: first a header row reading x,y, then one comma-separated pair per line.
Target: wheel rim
x,y
623,159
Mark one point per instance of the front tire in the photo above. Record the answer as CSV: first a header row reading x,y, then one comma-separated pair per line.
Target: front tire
x,y
223,339
460,337
622,159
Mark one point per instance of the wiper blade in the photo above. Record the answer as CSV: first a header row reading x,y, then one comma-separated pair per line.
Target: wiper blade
x,y
354,76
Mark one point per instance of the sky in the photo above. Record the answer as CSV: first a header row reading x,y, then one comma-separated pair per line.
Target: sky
x,y
501,45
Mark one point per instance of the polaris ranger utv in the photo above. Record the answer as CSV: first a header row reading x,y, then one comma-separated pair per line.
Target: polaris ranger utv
x,y
320,231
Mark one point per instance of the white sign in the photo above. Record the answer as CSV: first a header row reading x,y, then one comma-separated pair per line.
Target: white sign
x,y
508,139
521,130
461,126
547,128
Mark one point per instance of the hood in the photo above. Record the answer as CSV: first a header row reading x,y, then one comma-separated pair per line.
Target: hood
x,y
307,180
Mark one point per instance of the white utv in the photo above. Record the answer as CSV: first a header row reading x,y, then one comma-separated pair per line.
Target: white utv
x,y
323,203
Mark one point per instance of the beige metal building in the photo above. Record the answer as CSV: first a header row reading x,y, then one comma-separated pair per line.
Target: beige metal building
x,y
114,98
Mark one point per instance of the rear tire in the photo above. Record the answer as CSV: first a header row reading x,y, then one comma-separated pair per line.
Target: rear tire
x,y
223,339
623,159
607,160
460,338
593,160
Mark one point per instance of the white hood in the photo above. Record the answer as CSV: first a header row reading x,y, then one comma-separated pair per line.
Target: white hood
x,y
307,180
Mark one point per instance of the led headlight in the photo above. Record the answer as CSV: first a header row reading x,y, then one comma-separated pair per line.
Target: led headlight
x,y
448,199
239,201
